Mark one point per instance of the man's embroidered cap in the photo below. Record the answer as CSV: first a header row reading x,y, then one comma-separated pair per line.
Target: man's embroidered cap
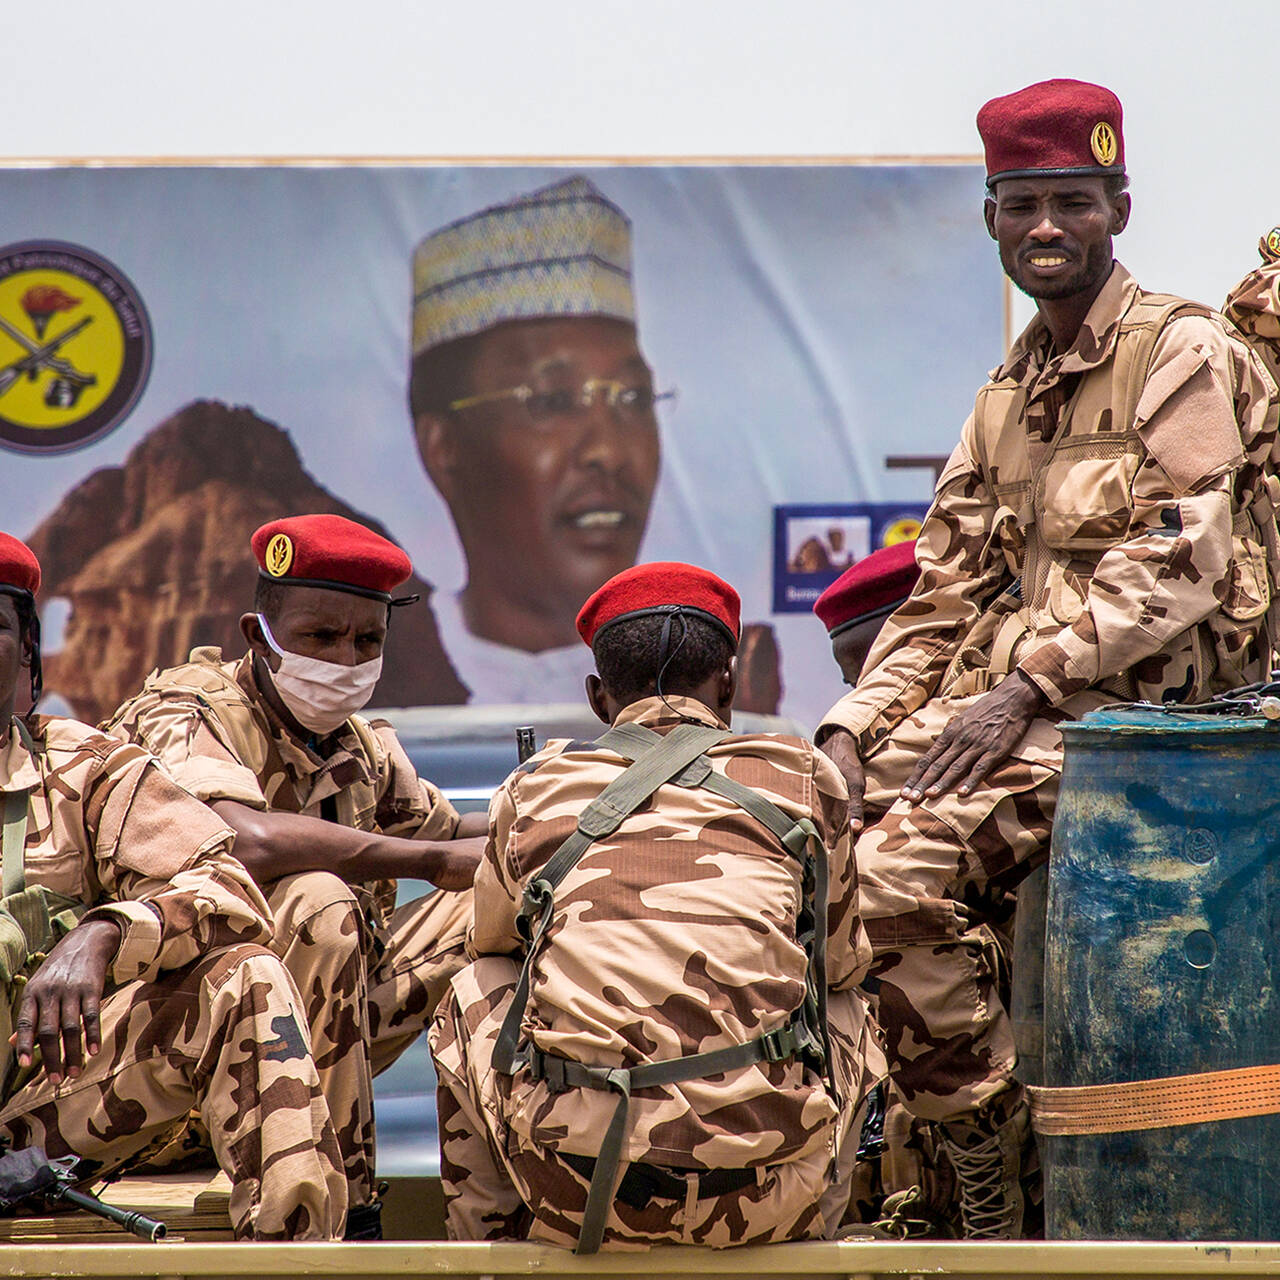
x,y
563,250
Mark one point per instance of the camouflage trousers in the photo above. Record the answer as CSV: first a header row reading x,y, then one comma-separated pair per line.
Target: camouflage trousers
x,y
220,1036
936,882
499,1185
366,996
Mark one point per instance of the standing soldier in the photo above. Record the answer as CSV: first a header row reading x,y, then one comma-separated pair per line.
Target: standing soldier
x,y
663,1070
326,807
161,998
1101,531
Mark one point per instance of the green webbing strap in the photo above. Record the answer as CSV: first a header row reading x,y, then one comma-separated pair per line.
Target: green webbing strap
x,y
15,840
796,835
562,1073
13,877
659,763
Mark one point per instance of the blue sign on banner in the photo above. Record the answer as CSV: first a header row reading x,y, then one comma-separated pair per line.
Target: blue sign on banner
x,y
814,543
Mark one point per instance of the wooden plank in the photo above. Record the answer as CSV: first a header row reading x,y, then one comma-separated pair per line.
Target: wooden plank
x,y
860,1261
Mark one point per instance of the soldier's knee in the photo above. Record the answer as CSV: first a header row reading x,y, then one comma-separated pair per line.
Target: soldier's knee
x,y
317,907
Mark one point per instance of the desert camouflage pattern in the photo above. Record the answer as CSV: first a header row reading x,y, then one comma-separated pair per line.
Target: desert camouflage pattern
x,y
492,1174
365,999
370,974
673,936
1253,306
1105,527
196,1013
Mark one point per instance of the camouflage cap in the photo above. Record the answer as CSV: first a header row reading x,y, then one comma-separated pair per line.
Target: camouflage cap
x,y
562,250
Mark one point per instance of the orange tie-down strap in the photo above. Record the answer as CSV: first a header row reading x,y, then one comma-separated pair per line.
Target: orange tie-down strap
x,y
1156,1104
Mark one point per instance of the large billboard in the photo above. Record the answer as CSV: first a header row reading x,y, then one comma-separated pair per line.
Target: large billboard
x,y
186,352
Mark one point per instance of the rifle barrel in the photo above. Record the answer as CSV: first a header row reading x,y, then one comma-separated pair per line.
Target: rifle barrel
x,y
138,1223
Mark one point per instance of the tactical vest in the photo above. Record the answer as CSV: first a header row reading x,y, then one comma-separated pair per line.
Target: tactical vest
x,y
204,684
1062,504
677,758
32,921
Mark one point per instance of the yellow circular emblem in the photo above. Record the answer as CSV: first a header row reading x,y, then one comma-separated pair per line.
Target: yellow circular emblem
x,y
279,555
75,346
904,529
1102,142
1273,241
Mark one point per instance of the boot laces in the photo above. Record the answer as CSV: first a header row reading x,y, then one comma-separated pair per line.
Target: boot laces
x,y
989,1199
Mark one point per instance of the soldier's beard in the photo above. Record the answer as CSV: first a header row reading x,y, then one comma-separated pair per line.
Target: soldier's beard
x,y
1089,276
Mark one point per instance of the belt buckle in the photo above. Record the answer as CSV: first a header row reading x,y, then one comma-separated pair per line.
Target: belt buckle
x,y
779,1045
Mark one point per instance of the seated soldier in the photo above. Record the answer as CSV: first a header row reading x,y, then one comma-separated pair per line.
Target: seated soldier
x,y
160,998
902,1182
853,608
670,1066
326,807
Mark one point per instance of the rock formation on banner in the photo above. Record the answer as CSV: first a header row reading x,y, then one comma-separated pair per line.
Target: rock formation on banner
x,y
153,558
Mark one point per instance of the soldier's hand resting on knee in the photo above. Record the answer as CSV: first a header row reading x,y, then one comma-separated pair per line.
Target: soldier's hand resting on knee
x,y
977,740
62,996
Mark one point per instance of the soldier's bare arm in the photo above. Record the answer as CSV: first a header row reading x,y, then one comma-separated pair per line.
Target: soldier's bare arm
x,y
273,845
840,746
977,740
63,995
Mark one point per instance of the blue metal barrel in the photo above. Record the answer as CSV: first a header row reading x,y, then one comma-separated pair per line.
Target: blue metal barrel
x,y
1162,958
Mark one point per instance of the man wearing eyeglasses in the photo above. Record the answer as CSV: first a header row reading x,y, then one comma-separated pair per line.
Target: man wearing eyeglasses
x,y
535,415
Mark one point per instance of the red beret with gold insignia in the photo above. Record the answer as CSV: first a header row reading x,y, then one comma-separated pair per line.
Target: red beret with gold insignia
x,y
876,585
663,587
330,551
1054,129
19,568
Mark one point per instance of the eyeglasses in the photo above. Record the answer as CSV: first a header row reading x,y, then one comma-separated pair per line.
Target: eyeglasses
x,y
632,404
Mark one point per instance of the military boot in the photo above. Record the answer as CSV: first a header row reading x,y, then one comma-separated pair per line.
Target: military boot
x,y
992,1156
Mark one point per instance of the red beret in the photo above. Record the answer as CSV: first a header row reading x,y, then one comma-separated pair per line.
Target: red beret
x,y
664,586
19,567
874,586
1053,129
330,551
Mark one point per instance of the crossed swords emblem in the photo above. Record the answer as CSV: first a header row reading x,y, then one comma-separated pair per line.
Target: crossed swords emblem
x,y
68,382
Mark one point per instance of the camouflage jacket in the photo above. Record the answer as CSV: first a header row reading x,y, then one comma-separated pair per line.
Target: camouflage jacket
x,y
1104,523
108,828
209,724
1253,306
674,936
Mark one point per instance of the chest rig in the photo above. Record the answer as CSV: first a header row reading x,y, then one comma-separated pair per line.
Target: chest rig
x,y
677,758
1061,502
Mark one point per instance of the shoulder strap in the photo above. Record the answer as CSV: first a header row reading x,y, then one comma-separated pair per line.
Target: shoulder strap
x,y
661,762
1140,330
16,808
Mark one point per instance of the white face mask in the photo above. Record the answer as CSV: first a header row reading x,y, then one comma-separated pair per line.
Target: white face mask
x,y
321,695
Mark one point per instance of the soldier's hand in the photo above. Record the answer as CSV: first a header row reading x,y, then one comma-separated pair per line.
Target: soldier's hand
x,y
976,741
62,996
451,864
843,752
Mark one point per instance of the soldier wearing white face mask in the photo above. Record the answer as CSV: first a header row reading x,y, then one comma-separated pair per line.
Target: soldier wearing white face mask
x,y
327,808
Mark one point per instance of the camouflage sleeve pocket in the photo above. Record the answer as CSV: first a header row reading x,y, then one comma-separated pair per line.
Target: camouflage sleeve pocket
x,y
1087,500
1248,591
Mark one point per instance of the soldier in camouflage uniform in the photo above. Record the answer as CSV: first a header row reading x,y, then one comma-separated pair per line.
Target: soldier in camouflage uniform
x,y
1253,306
327,809
677,933
162,998
1102,531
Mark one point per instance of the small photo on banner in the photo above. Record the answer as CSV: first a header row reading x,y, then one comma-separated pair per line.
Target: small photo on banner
x,y
814,543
